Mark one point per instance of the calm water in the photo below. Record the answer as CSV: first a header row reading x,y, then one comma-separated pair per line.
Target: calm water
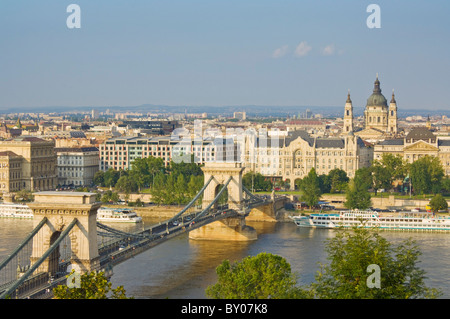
x,y
182,268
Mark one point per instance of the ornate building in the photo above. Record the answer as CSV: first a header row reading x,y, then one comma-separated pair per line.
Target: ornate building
x,y
30,163
380,120
419,142
292,157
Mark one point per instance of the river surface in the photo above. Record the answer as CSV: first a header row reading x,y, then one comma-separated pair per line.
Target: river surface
x,y
182,268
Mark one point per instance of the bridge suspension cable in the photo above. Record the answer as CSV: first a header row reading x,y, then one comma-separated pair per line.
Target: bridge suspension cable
x,y
118,233
192,201
246,190
203,212
24,243
40,260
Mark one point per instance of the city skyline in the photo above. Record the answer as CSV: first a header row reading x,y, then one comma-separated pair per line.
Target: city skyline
x,y
231,53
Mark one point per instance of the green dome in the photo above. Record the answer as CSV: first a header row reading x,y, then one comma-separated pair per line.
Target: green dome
x,y
377,99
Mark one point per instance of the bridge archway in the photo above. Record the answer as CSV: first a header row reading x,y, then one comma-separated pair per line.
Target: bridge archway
x,y
60,209
223,199
221,173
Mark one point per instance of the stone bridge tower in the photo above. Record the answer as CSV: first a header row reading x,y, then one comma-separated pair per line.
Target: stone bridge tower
x,y
60,209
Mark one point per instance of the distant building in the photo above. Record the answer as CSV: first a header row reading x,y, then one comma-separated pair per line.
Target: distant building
x,y
240,115
420,141
120,152
380,120
38,162
10,172
152,127
77,166
293,156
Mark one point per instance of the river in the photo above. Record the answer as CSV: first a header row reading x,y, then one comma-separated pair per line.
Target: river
x,y
182,268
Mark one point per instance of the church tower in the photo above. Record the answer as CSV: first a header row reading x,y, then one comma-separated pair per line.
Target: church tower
x,y
348,115
376,113
393,126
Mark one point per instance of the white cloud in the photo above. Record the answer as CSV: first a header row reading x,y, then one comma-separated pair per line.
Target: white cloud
x,y
329,50
302,49
278,53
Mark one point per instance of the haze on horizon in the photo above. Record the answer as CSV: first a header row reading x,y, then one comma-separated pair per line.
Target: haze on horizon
x,y
223,53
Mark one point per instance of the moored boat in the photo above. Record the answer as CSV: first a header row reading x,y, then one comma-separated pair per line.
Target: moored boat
x,y
418,221
15,210
117,215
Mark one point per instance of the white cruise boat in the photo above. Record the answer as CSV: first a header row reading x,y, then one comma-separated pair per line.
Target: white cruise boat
x,y
117,215
15,210
408,221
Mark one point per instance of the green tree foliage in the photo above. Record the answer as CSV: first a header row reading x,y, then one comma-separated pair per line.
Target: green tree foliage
x,y
310,188
186,169
109,196
110,177
99,178
93,285
346,276
426,175
395,167
126,184
357,196
256,181
350,253
338,180
365,177
438,202
173,188
259,277
144,169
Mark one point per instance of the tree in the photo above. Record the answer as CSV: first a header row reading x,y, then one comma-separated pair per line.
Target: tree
x,y
109,196
381,178
259,277
362,265
99,178
158,189
256,181
111,177
351,252
357,195
93,285
445,185
438,202
126,184
426,174
338,180
310,189
365,177
144,169
187,169
180,190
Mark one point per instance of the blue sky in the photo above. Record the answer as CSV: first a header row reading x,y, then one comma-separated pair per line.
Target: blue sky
x,y
223,53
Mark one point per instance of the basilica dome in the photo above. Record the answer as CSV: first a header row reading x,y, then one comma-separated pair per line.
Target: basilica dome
x,y
377,99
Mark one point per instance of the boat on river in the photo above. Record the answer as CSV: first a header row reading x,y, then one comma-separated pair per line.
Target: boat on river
x,y
408,221
15,210
117,215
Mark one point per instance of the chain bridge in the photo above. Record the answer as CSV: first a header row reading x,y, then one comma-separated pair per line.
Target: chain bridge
x,y
67,235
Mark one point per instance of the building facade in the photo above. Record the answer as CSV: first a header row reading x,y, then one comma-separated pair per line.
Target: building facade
x,y
38,167
10,172
293,156
77,166
380,119
120,152
420,141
